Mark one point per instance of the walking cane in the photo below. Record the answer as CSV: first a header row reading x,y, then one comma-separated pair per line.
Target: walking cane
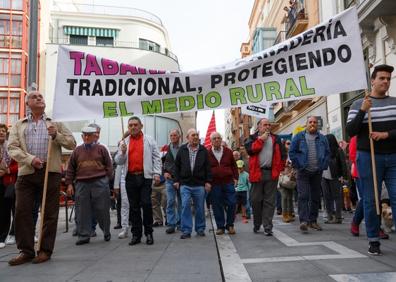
x,y
373,166
44,195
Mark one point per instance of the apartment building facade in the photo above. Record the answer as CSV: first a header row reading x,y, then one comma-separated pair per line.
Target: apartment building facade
x,y
126,35
14,25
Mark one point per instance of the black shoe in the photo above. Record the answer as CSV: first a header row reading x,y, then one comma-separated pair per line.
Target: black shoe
x,y
267,232
149,239
374,248
74,232
157,224
107,237
170,230
82,242
256,229
185,236
118,226
93,233
135,240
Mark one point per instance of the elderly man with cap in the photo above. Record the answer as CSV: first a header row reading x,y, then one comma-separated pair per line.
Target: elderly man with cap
x,y
90,168
28,145
383,111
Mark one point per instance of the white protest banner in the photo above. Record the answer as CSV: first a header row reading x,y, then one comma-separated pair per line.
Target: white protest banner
x,y
258,110
324,60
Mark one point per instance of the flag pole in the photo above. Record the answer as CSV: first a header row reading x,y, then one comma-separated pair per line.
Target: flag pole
x,y
45,188
373,165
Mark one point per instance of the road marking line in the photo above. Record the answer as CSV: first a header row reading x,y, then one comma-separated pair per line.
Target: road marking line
x,y
342,252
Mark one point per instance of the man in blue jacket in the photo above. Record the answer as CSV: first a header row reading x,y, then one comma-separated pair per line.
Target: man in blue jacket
x,y
309,154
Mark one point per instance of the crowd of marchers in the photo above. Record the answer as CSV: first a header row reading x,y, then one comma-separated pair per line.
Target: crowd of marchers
x,y
178,184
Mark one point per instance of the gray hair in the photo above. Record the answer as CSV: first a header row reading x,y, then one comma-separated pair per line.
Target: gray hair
x,y
175,130
190,131
212,135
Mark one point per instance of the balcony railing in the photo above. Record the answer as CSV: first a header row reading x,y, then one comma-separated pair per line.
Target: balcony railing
x,y
296,13
119,44
59,6
280,37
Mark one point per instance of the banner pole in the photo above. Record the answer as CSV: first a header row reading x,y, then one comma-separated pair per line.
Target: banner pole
x,y
122,127
373,165
42,212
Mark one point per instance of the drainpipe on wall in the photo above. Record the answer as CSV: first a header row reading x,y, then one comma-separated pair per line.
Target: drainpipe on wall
x,y
33,42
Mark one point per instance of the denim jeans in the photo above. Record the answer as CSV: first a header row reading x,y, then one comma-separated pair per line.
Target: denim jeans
x,y
309,188
197,193
386,171
359,214
223,199
173,204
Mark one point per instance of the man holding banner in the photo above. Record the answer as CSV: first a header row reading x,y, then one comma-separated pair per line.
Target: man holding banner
x,y
383,111
140,154
28,145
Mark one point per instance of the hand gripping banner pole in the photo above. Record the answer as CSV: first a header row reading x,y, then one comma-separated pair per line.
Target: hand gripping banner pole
x,y
373,166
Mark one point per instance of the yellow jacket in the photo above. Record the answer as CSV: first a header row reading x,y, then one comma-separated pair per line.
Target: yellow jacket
x,y
17,148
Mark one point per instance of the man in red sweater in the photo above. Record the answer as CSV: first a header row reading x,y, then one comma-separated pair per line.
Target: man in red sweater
x,y
90,168
225,177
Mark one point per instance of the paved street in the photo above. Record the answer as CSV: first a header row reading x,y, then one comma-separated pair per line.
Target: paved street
x,y
329,255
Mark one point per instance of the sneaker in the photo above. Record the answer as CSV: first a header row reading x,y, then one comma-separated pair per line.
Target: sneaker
x,y
374,248
383,235
315,225
304,227
219,231
354,229
157,224
10,240
201,233
2,245
231,230
123,234
267,232
256,229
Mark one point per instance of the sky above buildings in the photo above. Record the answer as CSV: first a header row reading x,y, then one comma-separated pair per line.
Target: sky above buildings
x,y
202,33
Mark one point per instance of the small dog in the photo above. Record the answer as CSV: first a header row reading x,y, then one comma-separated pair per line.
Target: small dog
x,y
387,218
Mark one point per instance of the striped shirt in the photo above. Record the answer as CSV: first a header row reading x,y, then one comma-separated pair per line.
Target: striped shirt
x,y
36,136
383,117
193,155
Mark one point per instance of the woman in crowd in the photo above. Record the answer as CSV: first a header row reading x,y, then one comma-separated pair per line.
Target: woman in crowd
x,y
8,173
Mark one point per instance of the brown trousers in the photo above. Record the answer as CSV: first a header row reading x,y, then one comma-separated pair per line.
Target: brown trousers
x,y
27,188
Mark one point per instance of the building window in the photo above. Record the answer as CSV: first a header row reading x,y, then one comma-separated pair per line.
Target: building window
x,y
348,3
10,31
15,4
10,71
104,41
263,39
149,45
78,40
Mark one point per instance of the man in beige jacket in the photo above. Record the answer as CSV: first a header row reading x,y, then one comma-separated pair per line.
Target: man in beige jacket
x,y
28,145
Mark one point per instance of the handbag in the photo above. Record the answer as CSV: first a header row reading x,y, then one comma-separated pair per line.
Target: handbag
x,y
285,182
9,192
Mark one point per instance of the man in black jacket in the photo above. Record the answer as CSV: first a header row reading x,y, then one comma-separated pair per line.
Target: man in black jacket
x,y
173,209
193,177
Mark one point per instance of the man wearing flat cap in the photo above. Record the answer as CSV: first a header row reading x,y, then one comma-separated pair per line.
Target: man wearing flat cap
x,y
383,116
90,169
